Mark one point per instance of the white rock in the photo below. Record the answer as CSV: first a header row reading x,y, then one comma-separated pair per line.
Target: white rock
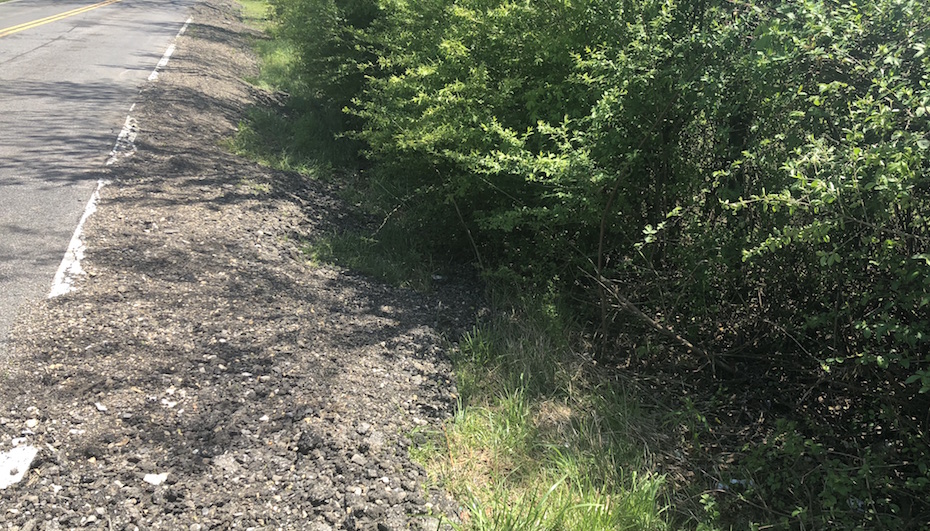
x,y
32,423
15,463
100,407
155,479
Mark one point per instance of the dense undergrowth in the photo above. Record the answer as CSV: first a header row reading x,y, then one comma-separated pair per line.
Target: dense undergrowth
x,y
721,204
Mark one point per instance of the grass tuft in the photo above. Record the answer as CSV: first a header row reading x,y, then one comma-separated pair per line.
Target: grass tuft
x,y
256,13
391,256
293,131
535,445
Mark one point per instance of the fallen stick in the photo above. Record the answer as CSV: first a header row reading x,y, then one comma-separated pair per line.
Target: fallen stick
x,y
661,328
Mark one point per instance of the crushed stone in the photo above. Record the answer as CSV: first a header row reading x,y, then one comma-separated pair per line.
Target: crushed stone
x,y
204,375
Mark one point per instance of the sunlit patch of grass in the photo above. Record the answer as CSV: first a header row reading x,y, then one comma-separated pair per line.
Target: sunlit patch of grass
x,y
509,476
538,442
391,256
293,131
256,13
268,138
276,72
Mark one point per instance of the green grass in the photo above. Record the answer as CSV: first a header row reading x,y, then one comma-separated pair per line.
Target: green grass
x,y
538,442
390,255
278,56
268,138
256,13
295,133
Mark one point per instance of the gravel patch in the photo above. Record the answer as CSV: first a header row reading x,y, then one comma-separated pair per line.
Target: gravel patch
x,y
204,375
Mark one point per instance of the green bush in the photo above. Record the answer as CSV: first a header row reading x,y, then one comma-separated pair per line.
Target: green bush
x,y
751,176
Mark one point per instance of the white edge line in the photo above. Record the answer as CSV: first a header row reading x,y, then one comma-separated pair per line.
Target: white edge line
x,y
125,141
164,58
70,267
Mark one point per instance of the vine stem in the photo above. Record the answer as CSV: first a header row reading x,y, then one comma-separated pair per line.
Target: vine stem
x,y
602,237
468,232
665,330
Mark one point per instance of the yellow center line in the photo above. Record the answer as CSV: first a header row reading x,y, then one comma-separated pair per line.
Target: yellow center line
x,y
35,23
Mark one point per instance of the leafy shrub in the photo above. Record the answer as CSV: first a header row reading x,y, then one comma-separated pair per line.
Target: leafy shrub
x,y
748,177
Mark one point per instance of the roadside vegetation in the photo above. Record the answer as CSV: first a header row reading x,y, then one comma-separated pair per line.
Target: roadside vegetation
x,y
703,227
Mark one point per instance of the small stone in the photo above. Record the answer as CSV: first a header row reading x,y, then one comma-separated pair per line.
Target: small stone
x,y
100,407
375,441
155,479
318,494
32,423
307,442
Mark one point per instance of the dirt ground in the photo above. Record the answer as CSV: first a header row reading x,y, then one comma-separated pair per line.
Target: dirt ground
x,y
274,394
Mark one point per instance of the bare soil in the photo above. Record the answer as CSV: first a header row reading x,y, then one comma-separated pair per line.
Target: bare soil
x,y
201,344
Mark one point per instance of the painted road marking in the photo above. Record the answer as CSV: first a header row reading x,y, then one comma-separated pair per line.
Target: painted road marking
x,y
164,59
70,267
126,141
36,23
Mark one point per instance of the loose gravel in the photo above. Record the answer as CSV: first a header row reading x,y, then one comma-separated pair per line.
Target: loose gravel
x,y
204,375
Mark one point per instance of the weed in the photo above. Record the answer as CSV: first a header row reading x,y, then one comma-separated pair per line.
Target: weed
x,y
537,444
390,256
294,131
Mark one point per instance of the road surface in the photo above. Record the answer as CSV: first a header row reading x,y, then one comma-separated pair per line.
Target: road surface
x,y
69,72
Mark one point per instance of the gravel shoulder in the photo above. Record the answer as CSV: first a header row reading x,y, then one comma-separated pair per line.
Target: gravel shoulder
x,y
273,394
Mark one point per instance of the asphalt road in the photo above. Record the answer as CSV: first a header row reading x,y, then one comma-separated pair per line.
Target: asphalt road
x,y
66,86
